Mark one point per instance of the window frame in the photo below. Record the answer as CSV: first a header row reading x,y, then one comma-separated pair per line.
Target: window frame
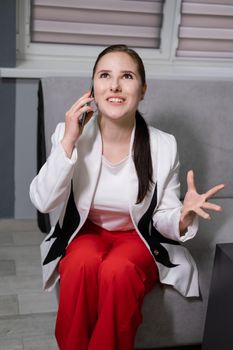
x,y
28,50
36,60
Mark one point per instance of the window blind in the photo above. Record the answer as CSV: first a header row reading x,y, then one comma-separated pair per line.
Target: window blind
x,y
97,22
206,29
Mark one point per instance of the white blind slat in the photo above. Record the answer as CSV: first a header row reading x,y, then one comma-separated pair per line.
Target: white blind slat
x,y
210,54
207,9
96,29
206,21
205,45
90,40
206,33
226,2
206,29
135,22
104,5
90,16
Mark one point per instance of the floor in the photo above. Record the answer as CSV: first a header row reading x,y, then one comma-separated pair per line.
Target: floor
x,y
27,313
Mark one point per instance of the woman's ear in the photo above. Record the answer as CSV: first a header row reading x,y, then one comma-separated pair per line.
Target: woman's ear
x,y
144,88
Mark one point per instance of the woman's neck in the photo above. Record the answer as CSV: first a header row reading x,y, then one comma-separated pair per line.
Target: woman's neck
x,y
116,131
116,136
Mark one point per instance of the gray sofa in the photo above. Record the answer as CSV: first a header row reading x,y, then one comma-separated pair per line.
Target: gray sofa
x,y
199,114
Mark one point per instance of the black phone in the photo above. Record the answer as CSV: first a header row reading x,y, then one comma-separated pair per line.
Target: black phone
x,y
84,115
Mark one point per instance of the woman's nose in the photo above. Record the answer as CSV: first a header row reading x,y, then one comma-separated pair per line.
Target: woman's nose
x,y
115,85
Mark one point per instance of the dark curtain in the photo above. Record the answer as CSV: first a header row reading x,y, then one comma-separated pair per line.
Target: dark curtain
x,y
43,220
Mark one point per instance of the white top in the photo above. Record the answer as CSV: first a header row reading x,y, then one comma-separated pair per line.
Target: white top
x,y
110,205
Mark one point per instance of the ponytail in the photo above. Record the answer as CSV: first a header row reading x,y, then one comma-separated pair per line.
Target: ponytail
x,y
142,157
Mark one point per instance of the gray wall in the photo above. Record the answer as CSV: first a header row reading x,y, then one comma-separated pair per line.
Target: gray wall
x,y
25,145
7,103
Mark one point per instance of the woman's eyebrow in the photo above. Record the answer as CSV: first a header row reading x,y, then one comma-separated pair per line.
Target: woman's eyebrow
x,y
128,71
104,71
109,71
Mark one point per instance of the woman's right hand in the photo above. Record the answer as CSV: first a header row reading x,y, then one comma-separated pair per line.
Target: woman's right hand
x,y
73,129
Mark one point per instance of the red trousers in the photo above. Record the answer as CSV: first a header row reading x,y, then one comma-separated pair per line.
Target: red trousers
x,y
104,277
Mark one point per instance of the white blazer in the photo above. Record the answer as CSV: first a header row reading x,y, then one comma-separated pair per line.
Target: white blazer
x,y
65,187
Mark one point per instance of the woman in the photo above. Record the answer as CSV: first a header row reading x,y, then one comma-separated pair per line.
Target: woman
x,y
116,183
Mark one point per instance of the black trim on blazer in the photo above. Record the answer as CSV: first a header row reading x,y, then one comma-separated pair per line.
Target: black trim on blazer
x,y
63,234
145,226
153,237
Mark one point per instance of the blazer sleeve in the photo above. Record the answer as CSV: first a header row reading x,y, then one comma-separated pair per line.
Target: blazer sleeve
x,y
51,186
167,215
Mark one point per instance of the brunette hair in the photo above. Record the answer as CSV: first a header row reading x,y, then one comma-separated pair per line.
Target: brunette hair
x,y
141,146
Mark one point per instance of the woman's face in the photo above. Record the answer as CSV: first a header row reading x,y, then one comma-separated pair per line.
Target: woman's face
x,y
117,86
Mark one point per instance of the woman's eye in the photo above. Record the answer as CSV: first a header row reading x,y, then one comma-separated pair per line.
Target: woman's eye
x,y
104,75
128,76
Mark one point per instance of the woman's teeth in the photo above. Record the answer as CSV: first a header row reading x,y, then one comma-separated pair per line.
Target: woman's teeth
x,y
115,99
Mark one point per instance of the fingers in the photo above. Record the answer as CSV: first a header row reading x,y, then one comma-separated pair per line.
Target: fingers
x,y
198,203
200,212
214,190
80,104
211,206
203,214
76,115
190,181
207,206
192,187
73,129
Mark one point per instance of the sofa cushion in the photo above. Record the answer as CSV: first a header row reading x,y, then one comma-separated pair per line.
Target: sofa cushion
x,y
170,319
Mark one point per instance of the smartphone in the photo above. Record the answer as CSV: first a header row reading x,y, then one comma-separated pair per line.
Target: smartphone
x,y
84,115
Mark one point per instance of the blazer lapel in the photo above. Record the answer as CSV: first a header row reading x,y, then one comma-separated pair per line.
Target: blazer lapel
x,y
87,171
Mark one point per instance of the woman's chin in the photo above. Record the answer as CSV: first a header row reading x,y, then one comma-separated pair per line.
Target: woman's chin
x,y
116,116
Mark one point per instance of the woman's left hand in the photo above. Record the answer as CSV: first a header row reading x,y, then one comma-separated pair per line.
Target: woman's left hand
x,y
197,204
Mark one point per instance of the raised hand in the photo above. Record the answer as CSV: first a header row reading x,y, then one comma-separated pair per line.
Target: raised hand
x,y
197,204
73,129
